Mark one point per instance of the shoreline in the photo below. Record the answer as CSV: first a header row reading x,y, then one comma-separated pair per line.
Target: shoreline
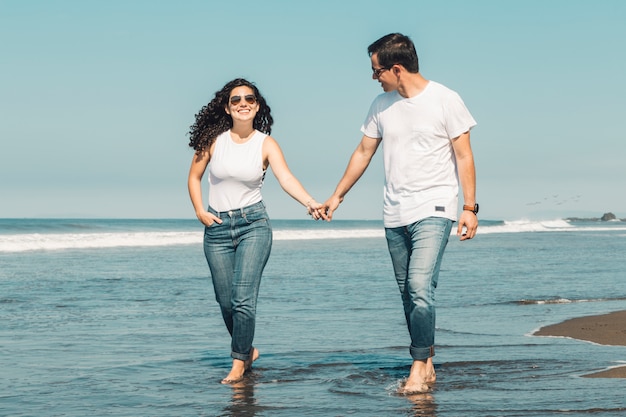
x,y
606,329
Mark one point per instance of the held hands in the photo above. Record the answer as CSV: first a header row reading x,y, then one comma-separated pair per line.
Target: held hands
x,y
330,206
316,210
469,221
323,211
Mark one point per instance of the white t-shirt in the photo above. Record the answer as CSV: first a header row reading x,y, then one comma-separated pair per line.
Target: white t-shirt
x,y
236,172
421,177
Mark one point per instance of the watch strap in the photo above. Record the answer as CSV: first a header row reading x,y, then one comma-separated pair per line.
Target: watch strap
x,y
473,209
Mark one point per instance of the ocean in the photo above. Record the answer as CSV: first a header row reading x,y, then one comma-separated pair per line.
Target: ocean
x,y
118,318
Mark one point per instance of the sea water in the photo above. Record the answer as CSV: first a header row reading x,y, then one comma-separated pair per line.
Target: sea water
x,y
118,318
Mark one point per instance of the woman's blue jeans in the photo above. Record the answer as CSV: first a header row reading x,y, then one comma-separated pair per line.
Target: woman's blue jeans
x,y
416,251
237,251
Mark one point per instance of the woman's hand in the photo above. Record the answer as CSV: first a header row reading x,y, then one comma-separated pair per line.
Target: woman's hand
x,y
207,218
315,210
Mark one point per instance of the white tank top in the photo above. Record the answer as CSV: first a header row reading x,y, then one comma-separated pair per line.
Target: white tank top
x,y
236,172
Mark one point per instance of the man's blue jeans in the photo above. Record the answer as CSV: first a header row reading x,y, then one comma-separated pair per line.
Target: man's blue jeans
x,y
416,251
237,251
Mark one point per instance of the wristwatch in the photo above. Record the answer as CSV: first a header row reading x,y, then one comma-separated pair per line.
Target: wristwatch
x,y
473,209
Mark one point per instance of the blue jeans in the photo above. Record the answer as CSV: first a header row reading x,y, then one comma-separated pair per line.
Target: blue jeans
x,y
416,251
237,251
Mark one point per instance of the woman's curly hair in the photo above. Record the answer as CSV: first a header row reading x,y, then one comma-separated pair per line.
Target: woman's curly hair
x,y
212,120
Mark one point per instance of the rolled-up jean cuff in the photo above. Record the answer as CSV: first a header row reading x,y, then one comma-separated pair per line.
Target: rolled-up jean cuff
x,y
240,356
420,354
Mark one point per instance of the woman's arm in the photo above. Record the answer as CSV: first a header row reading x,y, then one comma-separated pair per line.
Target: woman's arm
x,y
194,183
289,183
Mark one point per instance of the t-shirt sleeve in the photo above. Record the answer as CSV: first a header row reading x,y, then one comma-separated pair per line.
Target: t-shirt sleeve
x,y
370,125
457,116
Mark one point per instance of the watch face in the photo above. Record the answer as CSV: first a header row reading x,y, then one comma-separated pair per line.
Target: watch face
x,y
476,208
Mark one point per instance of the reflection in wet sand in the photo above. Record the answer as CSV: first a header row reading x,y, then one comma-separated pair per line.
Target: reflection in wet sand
x,y
424,404
243,403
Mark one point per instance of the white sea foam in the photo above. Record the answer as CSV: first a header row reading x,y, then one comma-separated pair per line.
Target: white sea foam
x,y
519,226
36,241
61,241
558,225
313,234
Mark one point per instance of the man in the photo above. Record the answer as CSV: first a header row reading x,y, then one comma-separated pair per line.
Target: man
x,y
424,128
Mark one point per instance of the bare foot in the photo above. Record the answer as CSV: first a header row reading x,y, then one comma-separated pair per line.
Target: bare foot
x,y
236,373
241,367
431,378
414,388
421,378
254,355
229,381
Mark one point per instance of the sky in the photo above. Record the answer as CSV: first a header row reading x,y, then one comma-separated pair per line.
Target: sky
x,y
96,99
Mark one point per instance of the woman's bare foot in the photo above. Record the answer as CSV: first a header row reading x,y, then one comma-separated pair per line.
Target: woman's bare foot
x,y
241,367
421,377
236,373
254,355
414,388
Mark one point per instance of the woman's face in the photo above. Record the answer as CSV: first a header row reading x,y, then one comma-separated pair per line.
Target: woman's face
x,y
242,104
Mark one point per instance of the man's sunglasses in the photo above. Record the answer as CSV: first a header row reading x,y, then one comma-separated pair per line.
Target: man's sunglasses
x,y
378,71
250,99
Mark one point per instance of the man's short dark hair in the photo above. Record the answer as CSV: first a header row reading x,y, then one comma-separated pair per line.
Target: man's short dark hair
x,y
395,48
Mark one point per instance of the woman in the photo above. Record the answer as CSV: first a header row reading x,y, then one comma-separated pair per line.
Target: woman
x,y
231,137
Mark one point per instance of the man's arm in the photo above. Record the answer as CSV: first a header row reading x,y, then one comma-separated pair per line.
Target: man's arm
x,y
359,161
467,177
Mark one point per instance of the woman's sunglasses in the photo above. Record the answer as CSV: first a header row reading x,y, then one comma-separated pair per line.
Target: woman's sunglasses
x,y
250,99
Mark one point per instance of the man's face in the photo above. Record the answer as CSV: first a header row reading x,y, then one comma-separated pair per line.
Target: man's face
x,y
385,76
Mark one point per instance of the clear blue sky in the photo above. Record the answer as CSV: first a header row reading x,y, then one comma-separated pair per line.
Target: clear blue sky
x,y
96,98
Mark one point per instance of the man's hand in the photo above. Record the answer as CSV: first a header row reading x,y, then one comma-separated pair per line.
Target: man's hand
x,y
316,210
330,206
469,222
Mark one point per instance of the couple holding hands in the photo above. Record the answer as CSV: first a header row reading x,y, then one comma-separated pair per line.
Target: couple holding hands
x,y
424,128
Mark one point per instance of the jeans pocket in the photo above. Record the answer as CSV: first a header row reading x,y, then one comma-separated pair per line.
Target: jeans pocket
x,y
255,216
211,229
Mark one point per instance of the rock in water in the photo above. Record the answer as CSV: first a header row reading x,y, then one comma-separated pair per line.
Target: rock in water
x,y
608,216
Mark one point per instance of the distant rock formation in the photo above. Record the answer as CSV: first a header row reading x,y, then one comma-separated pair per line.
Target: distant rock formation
x,y
608,216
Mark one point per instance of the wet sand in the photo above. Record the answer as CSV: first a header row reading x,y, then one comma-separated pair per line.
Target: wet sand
x,y
606,329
